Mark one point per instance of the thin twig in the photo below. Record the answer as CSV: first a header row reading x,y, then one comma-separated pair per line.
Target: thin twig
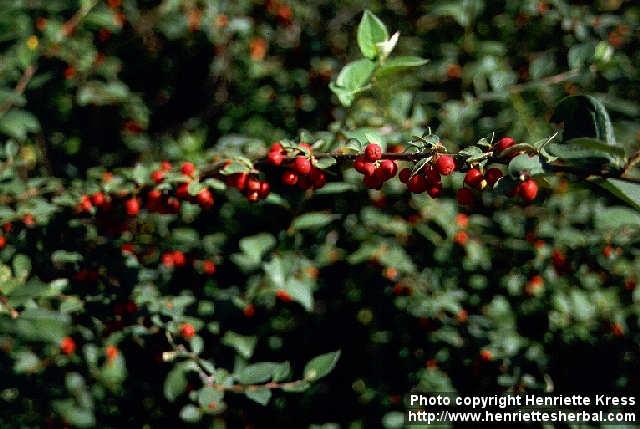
x,y
21,86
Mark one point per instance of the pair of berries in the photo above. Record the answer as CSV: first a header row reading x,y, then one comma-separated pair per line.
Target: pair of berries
x,y
376,170
174,258
253,188
429,178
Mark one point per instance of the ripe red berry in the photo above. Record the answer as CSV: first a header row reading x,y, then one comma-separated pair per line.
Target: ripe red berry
x,y
276,147
417,184
265,188
486,355
318,178
3,241
275,158
373,181
187,168
205,198
179,259
465,197
432,175
404,175
289,178
157,176
445,165
182,191
302,165
85,204
167,259
307,146
208,267
473,178
237,180
187,331
304,182
493,175
434,190
388,169
461,238
249,310
165,166
98,199
67,346
283,295
528,190
28,220
111,352
132,206
373,152
502,144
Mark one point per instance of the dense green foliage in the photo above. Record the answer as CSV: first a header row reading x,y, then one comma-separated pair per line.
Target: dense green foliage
x,y
310,308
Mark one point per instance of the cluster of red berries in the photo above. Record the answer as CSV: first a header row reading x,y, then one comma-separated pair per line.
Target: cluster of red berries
x,y
376,170
253,188
300,170
429,178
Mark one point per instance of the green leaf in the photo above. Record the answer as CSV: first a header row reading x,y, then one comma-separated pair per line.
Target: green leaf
x,y
18,123
398,63
261,396
190,413
244,345
175,383
355,75
325,162
21,266
207,395
629,192
612,218
257,373
312,221
584,116
524,163
371,30
584,149
321,365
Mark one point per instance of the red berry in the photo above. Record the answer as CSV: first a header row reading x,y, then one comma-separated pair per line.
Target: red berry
x,y
318,178
28,219
445,165
275,158
502,144
473,178
153,197
289,178
388,169
249,310
432,175
276,147
208,267
157,176
167,259
98,199
434,190
486,355
404,175
187,331
179,260
302,165
3,241
237,180
493,175
205,198
165,166
187,168
182,191
461,238
373,181
283,295
132,206
253,185
528,190
373,152
465,197
307,146
265,188
417,184
67,346
85,204
111,352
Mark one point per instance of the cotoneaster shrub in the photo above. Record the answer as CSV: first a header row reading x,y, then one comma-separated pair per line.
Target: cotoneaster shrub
x,y
255,283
